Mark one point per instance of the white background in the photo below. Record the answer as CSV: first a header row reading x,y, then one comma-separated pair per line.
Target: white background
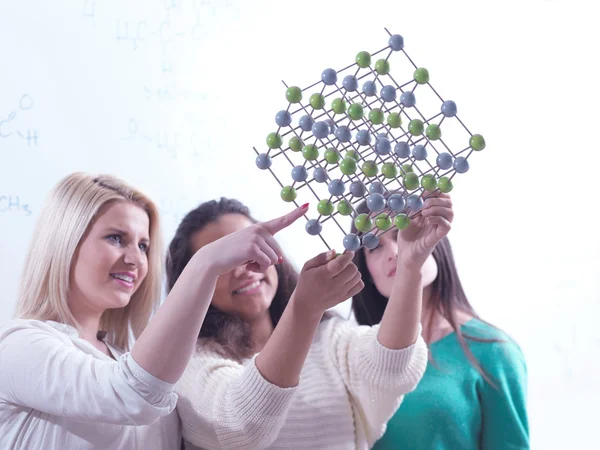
x,y
171,95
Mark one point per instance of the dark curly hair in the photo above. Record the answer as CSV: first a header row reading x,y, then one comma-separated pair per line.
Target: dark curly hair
x,y
230,331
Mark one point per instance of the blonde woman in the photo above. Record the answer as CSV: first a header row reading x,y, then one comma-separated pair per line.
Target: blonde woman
x,y
91,280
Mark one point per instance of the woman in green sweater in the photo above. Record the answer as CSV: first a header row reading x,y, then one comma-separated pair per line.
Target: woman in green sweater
x,y
473,393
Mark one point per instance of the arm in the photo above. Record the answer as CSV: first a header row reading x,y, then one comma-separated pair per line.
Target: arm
x,y
36,363
400,321
376,377
248,404
40,368
227,405
386,362
167,343
505,423
323,282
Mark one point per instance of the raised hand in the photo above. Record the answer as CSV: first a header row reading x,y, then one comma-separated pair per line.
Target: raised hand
x,y
254,246
417,241
327,280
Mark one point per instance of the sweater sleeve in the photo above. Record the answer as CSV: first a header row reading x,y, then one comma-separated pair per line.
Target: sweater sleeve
x,y
505,423
376,377
42,369
227,405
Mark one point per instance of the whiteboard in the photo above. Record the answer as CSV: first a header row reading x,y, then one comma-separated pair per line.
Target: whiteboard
x,y
172,95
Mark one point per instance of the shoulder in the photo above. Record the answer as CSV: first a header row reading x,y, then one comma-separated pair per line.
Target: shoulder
x,y
24,329
502,356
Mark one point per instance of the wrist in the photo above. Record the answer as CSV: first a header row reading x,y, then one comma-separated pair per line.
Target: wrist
x,y
303,310
409,271
204,264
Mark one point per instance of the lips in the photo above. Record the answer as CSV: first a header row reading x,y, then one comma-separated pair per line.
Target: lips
x,y
248,286
392,272
124,278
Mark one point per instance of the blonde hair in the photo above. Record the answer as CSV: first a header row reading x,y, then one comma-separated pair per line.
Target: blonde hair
x,y
70,209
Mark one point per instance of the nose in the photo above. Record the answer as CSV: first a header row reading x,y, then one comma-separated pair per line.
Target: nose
x,y
239,271
133,256
391,251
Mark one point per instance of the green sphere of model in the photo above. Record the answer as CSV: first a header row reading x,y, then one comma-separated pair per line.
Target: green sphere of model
x,y
376,116
332,156
338,106
477,142
406,168
348,166
352,154
363,223
410,181
325,207
356,111
295,144
370,169
383,222
363,59
401,221
445,185
415,127
429,182
274,140
344,208
421,75
382,67
293,94
433,132
394,120
288,194
389,170
310,152
317,101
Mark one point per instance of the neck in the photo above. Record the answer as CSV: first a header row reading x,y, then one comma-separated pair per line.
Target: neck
x,y
88,320
262,328
431,320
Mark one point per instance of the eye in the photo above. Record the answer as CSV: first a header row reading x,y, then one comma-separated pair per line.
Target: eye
x,y
144,247
117,238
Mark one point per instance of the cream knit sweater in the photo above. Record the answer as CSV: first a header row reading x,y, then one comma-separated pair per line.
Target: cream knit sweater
x,y
349,388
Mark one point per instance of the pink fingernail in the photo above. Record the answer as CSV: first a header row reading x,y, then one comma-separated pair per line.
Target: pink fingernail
x,y
304,206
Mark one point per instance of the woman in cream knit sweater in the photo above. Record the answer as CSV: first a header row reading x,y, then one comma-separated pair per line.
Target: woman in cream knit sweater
x,y
273,370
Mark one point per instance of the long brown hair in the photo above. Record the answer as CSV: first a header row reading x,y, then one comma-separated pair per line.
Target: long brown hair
x,y
230,331
447,296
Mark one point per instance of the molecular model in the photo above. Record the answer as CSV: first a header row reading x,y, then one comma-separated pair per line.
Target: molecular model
x,y
358,135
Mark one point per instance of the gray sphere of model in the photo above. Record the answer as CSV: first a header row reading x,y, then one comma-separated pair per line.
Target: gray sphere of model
x,y
263,161
358,189
444,161
336,187
376,187
320,175
283,118
396,202
370,241
299,173
313,227
329,77
375,202
402,149
408,99
351,242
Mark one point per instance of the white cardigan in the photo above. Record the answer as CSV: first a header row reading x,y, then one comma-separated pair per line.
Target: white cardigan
x,y
57,391
350,386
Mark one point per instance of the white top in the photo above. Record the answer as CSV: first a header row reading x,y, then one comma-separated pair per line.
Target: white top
x,y
57,391
350,386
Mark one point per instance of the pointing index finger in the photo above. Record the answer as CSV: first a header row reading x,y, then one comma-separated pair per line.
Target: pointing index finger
x,y
275,225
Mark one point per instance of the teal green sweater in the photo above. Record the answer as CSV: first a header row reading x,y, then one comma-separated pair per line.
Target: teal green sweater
x,y
455,408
